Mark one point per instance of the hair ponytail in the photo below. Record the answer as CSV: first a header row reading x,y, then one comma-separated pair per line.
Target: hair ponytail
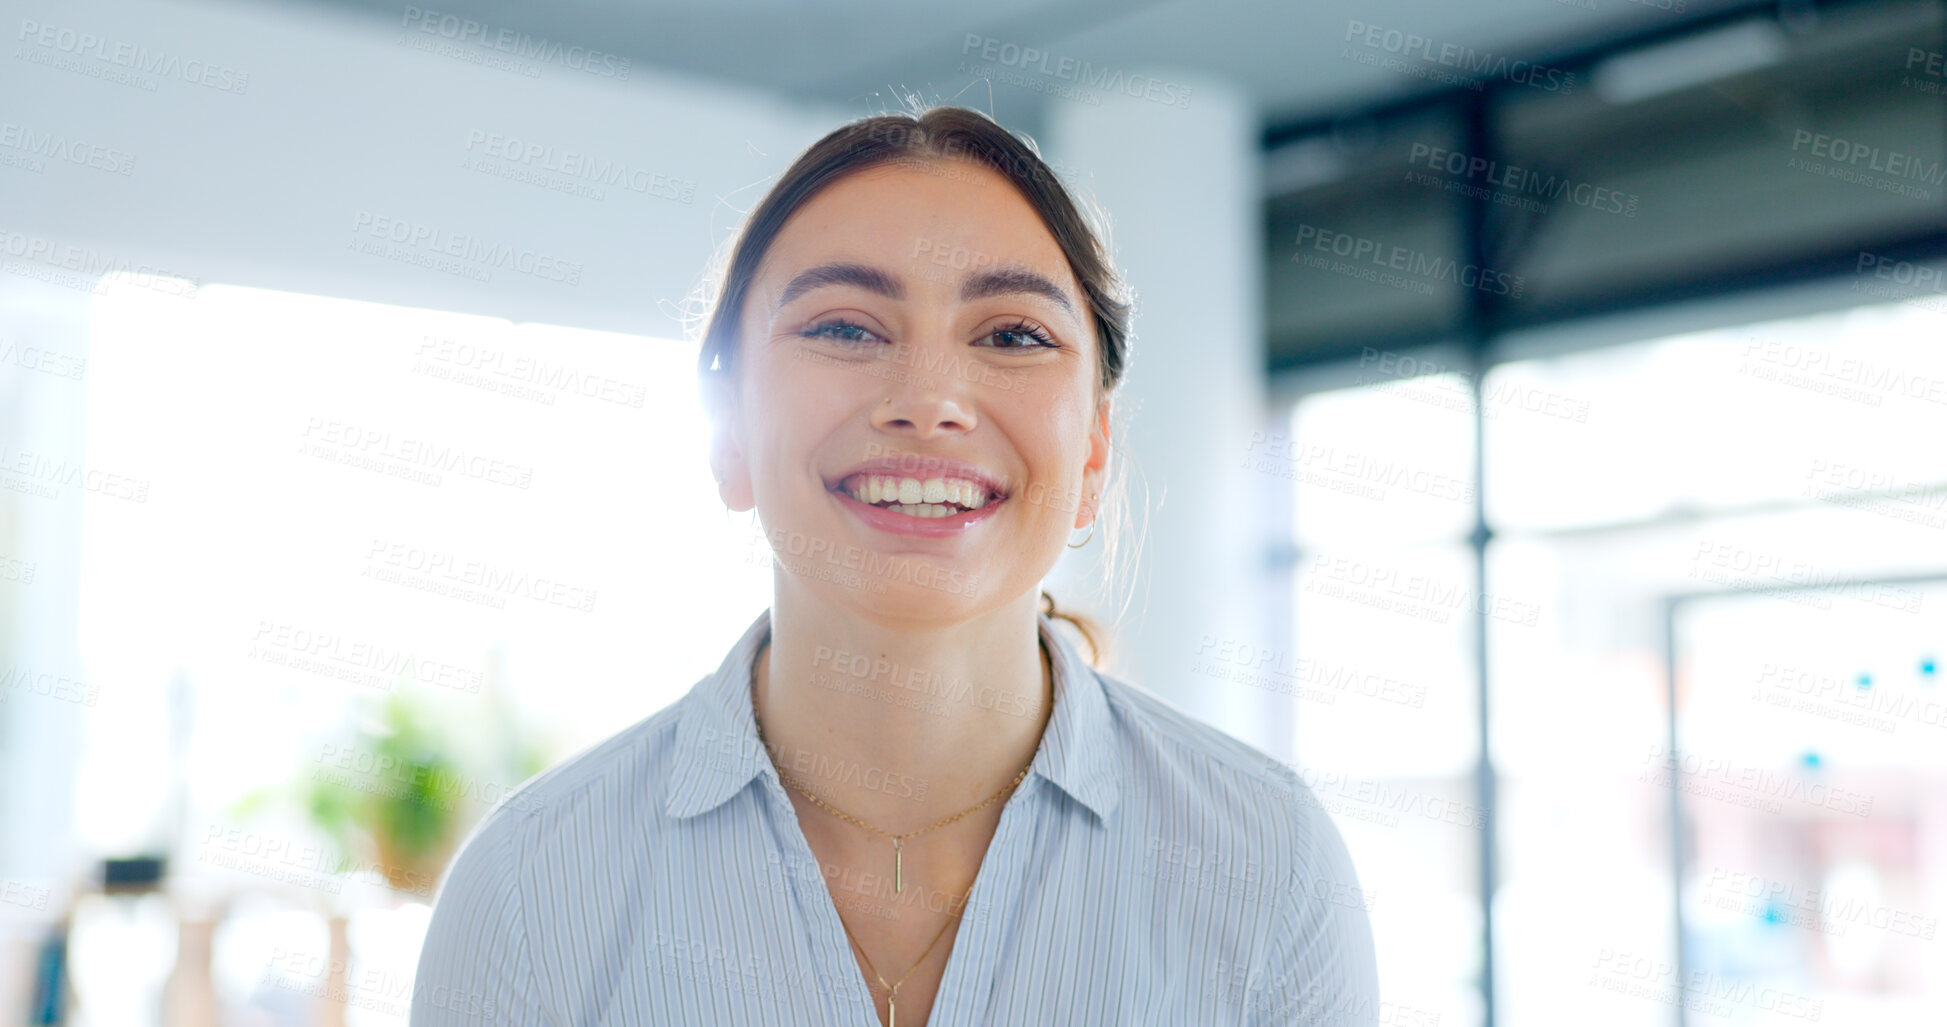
x,y
1085,624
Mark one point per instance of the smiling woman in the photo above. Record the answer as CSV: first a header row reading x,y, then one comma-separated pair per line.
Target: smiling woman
x,y
904,795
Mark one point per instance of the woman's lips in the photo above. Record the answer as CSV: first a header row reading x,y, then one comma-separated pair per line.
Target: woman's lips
x,y
923,469
920,527
904,490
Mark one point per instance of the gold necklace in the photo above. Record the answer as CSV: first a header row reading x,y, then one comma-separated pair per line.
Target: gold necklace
x,y
892,990
898,840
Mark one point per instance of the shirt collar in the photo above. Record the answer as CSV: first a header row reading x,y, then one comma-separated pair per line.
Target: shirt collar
x,y
718,753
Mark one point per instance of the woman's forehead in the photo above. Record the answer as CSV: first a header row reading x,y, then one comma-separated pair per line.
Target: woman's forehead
x,y
909,214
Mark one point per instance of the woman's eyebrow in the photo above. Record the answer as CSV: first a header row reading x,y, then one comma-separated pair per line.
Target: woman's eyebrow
x,y
1013,278
870,279
999,281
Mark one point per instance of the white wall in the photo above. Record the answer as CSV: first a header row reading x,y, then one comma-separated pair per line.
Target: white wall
x,y
341,115
1180,187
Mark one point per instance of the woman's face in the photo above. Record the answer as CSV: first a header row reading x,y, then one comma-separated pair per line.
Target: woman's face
x,y
916,422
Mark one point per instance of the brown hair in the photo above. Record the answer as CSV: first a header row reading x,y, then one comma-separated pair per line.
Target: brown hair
x,y
930,138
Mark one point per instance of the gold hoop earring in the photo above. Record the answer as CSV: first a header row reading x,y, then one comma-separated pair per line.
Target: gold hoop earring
x,y
1091,527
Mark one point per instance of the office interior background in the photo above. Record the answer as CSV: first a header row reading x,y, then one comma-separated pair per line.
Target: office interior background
x,y
1537,437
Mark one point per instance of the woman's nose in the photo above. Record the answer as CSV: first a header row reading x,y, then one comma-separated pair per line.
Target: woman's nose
x,y
925,403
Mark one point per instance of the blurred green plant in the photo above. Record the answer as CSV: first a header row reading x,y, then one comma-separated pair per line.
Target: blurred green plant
x,y
396,795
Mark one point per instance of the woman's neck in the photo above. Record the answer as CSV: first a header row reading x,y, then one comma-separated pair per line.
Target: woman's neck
x,y
898,723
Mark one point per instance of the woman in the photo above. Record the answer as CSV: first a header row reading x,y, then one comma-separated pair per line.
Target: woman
x,y
904,794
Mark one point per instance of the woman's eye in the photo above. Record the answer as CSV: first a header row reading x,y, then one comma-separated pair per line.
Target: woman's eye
x,y
839,330
1023,336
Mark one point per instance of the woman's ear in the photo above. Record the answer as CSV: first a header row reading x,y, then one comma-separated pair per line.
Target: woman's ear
x,y
1095,471
727,463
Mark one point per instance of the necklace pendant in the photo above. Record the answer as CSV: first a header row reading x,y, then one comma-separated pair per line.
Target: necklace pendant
x,y
898,870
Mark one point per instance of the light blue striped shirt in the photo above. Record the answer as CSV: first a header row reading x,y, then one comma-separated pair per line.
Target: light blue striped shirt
x,y
1149,870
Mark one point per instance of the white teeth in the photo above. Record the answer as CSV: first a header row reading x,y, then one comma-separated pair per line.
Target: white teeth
x,y
931,497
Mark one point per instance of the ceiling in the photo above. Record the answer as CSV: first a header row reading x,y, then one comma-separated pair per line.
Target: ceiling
x,y
866,53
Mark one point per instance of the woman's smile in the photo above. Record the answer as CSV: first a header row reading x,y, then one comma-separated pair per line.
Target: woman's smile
x,y
925,520
918,495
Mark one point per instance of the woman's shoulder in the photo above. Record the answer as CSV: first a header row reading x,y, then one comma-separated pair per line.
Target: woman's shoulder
x,y
1216,816
1175,760
1150,722
624,771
